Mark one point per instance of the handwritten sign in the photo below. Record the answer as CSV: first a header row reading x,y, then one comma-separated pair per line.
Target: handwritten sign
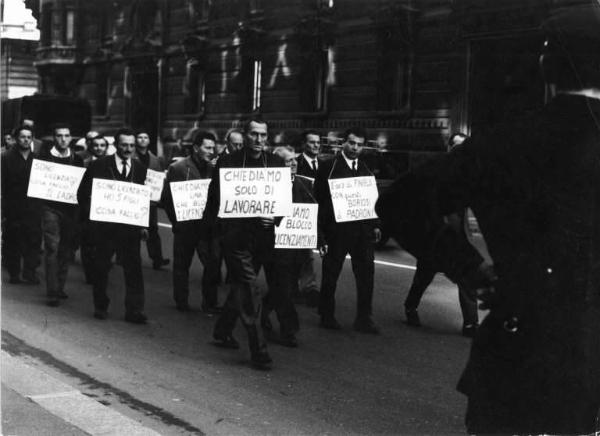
x,y
155,180
55,182
254,192
189,198
299,230
114,201
353,198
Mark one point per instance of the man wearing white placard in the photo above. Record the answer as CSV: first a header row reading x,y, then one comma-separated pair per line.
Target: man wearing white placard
x,y
354,237
59,221
190,235
247,245
151,162
110,237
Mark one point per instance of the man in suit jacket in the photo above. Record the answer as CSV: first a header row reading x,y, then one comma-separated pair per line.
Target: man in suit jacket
x,y
339,239
190,236
308,165
112,237
247,245
152,162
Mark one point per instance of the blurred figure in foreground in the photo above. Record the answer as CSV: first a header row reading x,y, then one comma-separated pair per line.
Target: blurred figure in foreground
x,y
534,186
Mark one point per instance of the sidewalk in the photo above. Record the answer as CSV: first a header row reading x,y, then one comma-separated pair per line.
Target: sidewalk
x,y
35,403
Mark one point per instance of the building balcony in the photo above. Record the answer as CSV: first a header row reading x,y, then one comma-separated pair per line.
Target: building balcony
x,y
57,55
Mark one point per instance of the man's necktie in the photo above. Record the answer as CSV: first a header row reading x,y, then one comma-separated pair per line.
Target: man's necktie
x,y
314,165
124,170
354,167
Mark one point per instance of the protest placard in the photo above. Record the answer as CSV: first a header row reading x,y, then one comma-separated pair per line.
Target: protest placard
x,y
254,192
114,201
299,230
189,198
53,181
353,198
155,180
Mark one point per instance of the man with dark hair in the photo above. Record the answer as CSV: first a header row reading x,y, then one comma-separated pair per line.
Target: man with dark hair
x,y
191,236
534,186
235,141
247,245
21,236
339,239
123,239
59,221
151,162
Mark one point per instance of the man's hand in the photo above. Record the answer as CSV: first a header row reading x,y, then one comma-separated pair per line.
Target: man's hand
x,y
144,234
377,234
267,222
323,250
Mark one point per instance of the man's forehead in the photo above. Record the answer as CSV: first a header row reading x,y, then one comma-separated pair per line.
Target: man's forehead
x,y
236,136
62,131
353,137
312,137
126,139
257,127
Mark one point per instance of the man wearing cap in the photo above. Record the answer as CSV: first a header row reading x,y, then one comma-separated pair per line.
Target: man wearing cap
x,y
151,162
192,235
534,187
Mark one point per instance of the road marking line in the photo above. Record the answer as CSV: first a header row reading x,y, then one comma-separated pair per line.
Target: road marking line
x,y
379,262
69,405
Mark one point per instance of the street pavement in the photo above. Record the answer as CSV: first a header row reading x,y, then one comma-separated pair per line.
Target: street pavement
x,y
167,378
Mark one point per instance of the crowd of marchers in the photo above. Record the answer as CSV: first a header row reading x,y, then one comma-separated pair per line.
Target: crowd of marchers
x,y
243,245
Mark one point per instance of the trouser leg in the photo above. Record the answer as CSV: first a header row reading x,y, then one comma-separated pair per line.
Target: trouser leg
x,y
421,280
12,248
184,244
65,249
153,243
363,267
468,307
102,263
280,277
209,254
132,269
307,281
51,230
333,262
88,252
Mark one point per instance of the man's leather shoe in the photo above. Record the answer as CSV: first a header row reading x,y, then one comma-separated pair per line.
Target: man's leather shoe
x,y
412,318
366,326
289,341
31,279
212,309
183,307
100,314
330,323
226,342
136,318
261,360
158,264
53,302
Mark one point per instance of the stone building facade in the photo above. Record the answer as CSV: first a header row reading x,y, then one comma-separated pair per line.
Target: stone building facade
x,y
411,71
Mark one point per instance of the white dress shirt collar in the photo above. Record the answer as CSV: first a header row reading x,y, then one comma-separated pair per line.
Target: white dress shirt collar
x,y
310,160
54,152
349,161
119,162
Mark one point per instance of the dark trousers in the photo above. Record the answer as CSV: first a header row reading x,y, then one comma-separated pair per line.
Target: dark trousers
x,y
307,282
153,243
356,241
87,250
246,249
58,230
185,243
423,277
22,241
125,241
282,275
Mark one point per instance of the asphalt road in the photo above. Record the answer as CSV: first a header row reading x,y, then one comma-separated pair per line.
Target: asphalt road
x,y
168,377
